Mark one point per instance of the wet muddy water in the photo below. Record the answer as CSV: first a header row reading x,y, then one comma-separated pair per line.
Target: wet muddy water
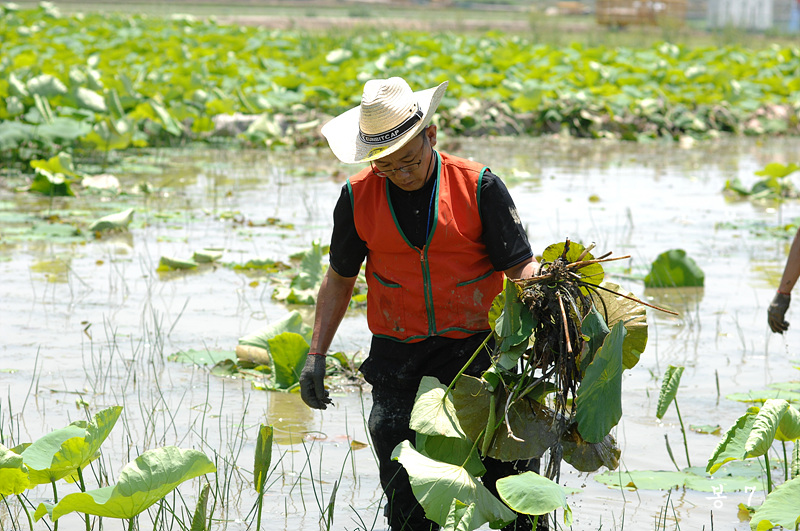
x,y
93,323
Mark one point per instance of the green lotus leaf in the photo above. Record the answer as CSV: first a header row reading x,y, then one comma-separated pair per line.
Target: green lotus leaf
x,y
789,426
17,88
599,400
616,308
593,274
293,322
89,99
674,269
669,389
595,328
309,275
263,457
167,263
732,445
199,522
433,412
762,434
141,483
530,493
456,451
61,453
207,256
60,164
116,221
13,473
436,485
776,169
46,85
780,508
531,422
459,518
288,355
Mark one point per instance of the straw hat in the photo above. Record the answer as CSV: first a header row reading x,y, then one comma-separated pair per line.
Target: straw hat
x,y
389,116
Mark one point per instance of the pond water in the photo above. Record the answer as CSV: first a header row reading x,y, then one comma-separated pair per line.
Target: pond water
x,y
92,324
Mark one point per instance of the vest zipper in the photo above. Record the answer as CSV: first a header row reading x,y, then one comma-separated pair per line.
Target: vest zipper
x,y
427,290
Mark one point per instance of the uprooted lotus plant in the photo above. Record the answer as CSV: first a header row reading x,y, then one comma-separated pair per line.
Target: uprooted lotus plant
x,y
561,341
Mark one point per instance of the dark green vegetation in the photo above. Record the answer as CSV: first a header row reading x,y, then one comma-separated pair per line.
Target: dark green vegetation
x,y
91,84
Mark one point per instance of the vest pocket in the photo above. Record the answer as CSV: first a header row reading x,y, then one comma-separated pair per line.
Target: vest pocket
x,y
478,279
385,282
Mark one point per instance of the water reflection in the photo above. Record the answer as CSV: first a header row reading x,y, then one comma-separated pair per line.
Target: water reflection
x,y
290,418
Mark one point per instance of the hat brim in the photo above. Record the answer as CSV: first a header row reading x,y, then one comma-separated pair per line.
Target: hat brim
x,y
342,131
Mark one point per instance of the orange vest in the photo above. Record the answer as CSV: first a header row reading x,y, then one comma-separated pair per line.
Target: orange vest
x,y
447,287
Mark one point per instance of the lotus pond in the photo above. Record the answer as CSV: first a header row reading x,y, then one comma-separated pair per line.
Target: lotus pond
x,y
93,319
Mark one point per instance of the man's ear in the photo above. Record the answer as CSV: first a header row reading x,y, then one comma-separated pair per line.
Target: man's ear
x,y
430,132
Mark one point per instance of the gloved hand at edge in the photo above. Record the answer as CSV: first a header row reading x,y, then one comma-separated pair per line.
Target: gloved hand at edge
x,y
777,311
312,386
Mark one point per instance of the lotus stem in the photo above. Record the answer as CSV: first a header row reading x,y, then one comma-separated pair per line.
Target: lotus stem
x,y
683,432
785,462
55,501
260,506
83,489
27,513
769,473
466,365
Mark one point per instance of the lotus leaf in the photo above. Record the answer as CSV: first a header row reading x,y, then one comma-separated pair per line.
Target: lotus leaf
x,y
167,263
433,412
263,457
459,452
141,483
530,493
674,269
89,99
437,484
117,221
460,516
599,400
789,426
288,353
531,422
732,445
60,453
46,85
781,508
669,389
589,457
766,423
13,473
593,274
293,322
616,308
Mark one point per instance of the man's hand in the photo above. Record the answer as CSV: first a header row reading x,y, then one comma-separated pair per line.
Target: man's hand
x,y
776,312
312,387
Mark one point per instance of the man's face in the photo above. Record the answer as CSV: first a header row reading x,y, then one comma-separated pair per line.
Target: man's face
x,y
408,167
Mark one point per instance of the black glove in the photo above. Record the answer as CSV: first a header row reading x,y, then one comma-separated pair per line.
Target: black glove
x,y
776,311
312,388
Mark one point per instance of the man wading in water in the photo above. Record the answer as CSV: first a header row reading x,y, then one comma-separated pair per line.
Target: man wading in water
x,y
438,233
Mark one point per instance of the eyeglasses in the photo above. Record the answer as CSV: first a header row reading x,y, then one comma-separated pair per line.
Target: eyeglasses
x,y
405,169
